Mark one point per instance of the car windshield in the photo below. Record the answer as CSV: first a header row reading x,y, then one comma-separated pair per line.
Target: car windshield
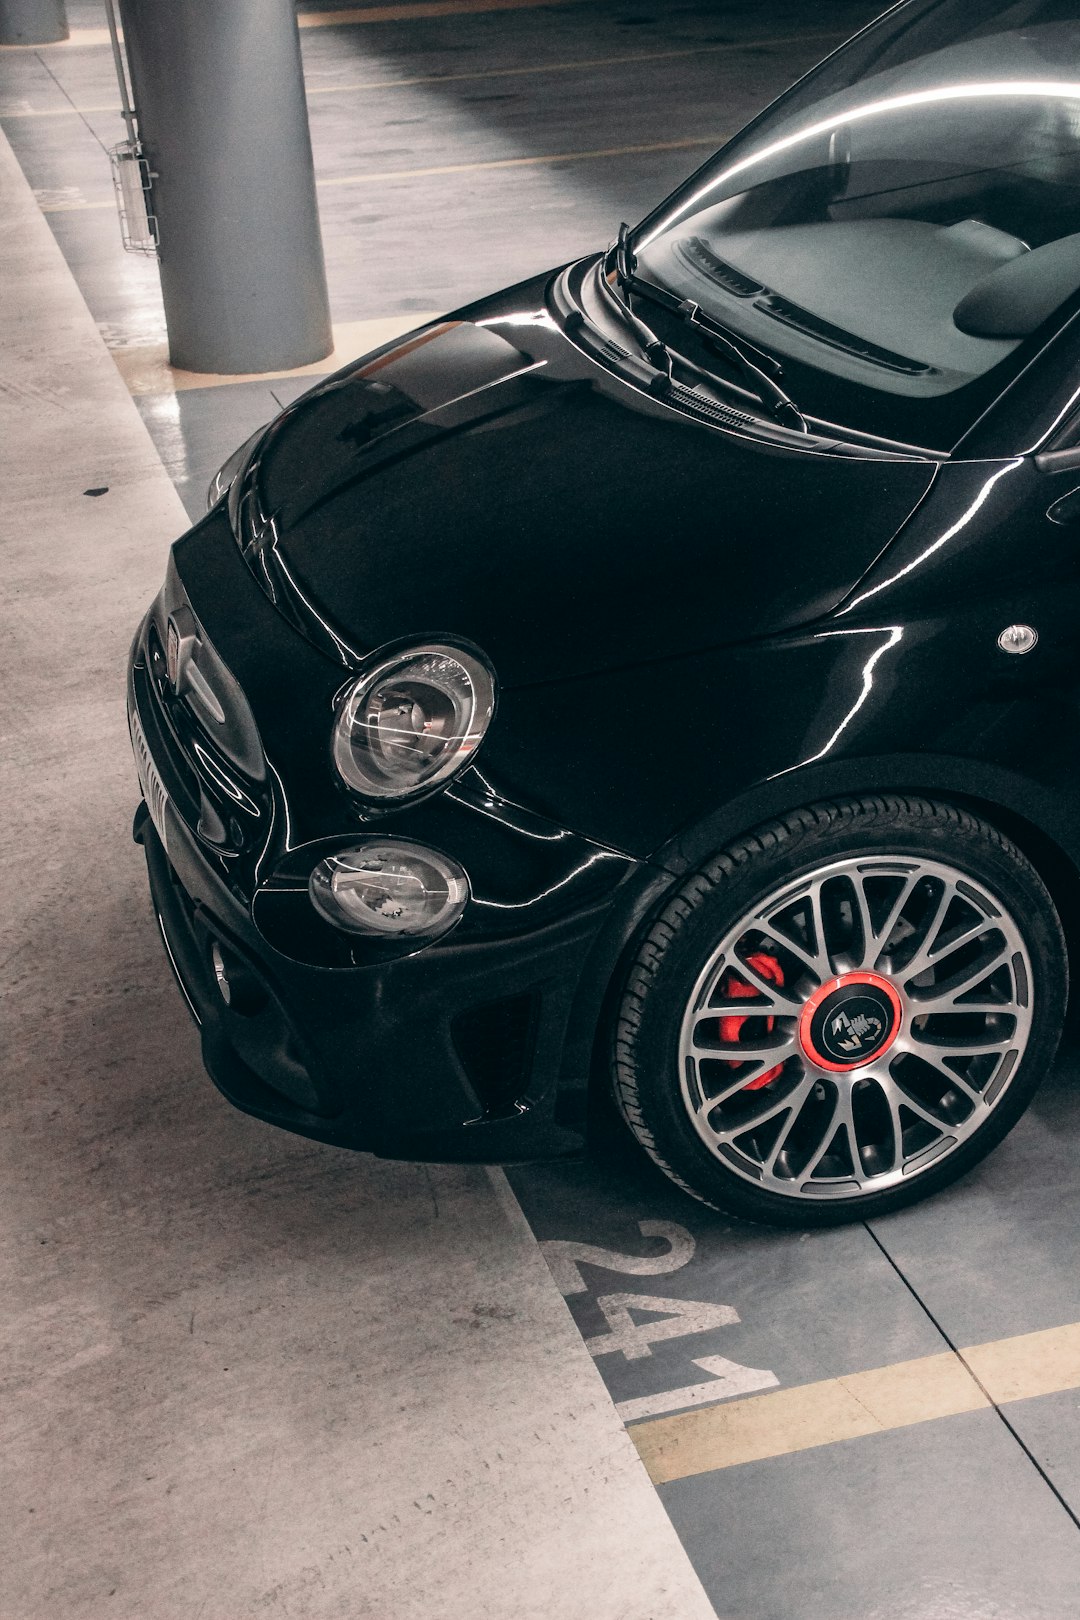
x,y
902,230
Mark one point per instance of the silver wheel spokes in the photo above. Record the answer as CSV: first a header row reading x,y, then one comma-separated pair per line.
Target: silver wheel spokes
x,y
772,1112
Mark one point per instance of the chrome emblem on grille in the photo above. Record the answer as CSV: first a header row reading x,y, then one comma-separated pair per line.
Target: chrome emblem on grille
x,y
181,662
172,654
181,639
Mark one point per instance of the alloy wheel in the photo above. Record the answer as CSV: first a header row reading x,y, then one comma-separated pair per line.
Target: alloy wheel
x,y
856,1027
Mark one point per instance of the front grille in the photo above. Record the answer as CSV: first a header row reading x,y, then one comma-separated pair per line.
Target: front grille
x,y
494,1043
153,788
175,770
209,694
209,767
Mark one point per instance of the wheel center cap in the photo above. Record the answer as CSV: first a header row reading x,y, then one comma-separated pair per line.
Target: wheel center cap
x,y
849,1021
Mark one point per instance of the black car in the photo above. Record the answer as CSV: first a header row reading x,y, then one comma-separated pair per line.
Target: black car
x,y
662,675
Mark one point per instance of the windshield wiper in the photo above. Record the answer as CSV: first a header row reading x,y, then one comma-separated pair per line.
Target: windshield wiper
x,y
654,348
759,370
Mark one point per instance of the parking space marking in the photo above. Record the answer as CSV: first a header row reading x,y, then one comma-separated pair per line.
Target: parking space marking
x,y
26,109
685,143
681,145
726,1378
1030,1364
565,1259
347,18
671,1317
352,17
859,1404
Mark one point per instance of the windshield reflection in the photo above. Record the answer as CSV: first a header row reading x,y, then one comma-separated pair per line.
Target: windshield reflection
x,y
898,227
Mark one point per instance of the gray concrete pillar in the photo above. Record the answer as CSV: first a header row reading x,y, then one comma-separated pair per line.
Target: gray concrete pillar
x,y
219,92
32,22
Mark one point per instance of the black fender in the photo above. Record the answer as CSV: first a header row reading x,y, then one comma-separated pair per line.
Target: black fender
x,y
1034,822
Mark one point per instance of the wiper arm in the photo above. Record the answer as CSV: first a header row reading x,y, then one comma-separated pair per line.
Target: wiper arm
x,y
770,393
755,371
654,348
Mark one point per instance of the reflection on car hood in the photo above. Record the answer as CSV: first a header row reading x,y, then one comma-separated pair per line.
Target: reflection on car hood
x,y
485,479
317,443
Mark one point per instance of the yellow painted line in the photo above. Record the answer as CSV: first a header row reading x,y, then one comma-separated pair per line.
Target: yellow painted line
x,y
1031,1364
570,67
146,370
336,19
520,162
375,177
539,68
421,8
788,1420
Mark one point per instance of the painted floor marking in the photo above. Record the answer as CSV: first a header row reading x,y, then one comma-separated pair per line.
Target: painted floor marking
x,y
523,162
146,370
51,205
565,1258
726,1379
347,18
672,1317
26,110
669,1318
418,8
858,1404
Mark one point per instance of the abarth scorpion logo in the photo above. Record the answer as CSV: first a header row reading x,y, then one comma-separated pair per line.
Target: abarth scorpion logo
x,y
855,1034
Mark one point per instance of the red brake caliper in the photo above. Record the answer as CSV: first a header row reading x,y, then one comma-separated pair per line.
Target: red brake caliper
x,y
732,1023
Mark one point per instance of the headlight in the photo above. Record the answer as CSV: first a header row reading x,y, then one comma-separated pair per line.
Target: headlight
x,y
413,721
389,887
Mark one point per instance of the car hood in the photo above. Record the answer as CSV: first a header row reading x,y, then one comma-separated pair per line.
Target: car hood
x,y
486,479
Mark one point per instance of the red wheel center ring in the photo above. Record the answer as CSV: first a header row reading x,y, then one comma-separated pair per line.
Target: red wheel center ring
x,y
849,1021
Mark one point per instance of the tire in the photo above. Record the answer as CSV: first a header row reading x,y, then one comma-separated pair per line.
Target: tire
x,y
841,1013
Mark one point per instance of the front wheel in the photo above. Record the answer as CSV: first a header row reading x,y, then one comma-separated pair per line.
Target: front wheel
x,y
841,1013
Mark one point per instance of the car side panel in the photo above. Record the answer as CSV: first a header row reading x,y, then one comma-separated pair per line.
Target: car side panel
x,y
905,685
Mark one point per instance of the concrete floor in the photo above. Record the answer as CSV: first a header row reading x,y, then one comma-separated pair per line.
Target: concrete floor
x,y
237,1355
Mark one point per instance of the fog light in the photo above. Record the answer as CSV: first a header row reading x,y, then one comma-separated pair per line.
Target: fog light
x,y
389,887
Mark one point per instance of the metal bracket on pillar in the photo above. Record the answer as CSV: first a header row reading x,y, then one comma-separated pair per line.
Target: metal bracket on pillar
x,y
131,172
134,198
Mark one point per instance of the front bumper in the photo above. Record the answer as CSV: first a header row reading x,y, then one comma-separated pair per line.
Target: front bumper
x,y
476,1047
403,1061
